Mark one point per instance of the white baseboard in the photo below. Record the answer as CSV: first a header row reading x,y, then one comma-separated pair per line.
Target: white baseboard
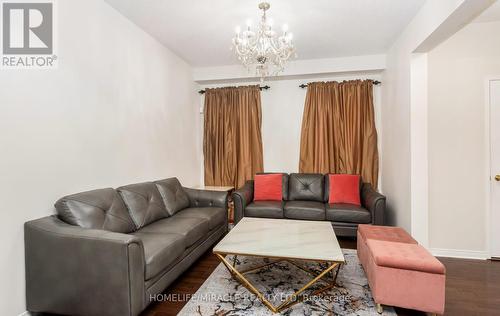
x,y
26,313
457,253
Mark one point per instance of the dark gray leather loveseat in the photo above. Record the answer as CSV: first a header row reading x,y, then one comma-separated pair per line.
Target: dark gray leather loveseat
x,y
305,197
109,252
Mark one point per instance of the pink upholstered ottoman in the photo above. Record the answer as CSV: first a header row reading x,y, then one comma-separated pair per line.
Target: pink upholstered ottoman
x,y
387,233
401,272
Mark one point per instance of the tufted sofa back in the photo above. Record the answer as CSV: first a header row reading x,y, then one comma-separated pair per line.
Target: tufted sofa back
x,y
144,203
306,187
173,195
96,209
126,209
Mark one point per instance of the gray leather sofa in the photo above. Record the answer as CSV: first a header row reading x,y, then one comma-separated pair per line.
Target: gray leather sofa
x,y
109,252
305,197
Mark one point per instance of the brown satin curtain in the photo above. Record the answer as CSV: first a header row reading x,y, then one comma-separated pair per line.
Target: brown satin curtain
x,y
338,130
232,140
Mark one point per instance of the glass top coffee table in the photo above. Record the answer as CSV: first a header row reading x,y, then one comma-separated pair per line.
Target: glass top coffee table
x,y
282,240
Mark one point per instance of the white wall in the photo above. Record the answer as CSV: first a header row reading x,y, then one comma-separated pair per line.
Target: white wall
x,y
396,110
119,109
418,139
434,22
457,142
282,109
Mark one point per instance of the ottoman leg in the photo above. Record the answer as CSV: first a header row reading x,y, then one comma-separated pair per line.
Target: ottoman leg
x,y
380,309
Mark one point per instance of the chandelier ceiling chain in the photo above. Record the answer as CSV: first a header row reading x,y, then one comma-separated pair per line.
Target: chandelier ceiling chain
x,y
264,49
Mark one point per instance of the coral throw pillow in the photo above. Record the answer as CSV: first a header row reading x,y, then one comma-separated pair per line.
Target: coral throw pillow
x,y
268,187
344,188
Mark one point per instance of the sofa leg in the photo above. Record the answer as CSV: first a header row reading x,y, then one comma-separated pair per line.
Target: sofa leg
x,y
380,309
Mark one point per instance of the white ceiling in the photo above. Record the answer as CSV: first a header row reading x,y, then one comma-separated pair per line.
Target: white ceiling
x,y
200,31
491,14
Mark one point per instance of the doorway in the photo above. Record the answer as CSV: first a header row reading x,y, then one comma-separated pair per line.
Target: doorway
x,y
494,123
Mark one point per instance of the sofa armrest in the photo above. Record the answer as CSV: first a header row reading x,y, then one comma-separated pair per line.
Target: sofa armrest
x,y
204,198
71,270
242,197
374,202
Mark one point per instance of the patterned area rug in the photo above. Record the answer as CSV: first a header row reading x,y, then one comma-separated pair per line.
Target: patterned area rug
x,y
222,295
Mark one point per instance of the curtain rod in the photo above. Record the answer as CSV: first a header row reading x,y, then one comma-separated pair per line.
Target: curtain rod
x,y
375,82
261,87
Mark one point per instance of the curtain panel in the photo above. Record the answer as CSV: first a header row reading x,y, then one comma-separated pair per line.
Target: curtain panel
x,y
232,140
338,130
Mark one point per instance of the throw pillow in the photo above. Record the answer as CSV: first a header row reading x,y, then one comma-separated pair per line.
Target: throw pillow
x,y
344,188
268,187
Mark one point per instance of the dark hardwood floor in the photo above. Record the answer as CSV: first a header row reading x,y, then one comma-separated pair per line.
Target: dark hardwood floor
x,y
472,286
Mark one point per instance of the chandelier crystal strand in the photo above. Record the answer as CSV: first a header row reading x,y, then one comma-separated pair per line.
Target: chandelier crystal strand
x,y
263,49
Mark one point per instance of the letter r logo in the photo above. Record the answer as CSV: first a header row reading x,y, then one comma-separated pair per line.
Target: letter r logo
x,y
27,28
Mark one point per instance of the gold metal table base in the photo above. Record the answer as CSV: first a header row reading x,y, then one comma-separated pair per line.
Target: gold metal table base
x,y
292,299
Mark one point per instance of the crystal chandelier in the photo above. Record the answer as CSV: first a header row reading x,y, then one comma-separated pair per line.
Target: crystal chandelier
x,y
263,49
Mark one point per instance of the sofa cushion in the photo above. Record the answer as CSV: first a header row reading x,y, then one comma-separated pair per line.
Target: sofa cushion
x,y
268,209
404,256
160,250
306,210
143,202
192,228
97,209
216,216
387,233
350,213
306,187
173,195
